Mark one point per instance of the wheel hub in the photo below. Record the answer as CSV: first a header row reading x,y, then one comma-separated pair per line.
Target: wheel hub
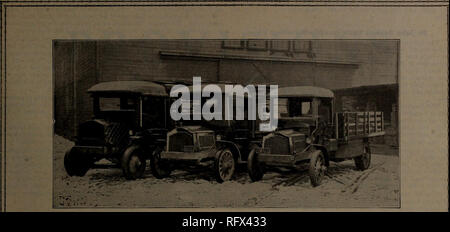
x,y
135,163
320,168
226,165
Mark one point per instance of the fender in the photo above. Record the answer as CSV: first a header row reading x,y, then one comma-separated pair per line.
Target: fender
x,y
324,151
234,148
140,143
128,151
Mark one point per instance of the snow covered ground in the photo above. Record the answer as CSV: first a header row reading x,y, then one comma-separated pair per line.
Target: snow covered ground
x,y
379,186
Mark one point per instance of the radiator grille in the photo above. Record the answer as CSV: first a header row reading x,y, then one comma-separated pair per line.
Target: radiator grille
x,y
179,140
116,134
277,144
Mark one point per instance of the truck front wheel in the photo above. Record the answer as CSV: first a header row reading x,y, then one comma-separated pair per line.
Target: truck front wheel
x,y
133,163
255,169
224,165
317,168
160,169
76,164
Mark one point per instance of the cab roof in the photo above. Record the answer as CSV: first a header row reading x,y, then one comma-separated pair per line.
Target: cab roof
x,y
220,85
305,91
138,87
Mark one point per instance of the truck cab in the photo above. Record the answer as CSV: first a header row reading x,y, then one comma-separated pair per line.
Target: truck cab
x,y
223,144
311,132
130,120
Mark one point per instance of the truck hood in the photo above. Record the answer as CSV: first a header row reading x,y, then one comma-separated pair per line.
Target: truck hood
x,y
288,133
193,129
296,122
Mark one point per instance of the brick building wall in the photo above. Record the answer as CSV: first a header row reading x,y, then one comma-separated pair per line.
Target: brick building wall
x,y
334,64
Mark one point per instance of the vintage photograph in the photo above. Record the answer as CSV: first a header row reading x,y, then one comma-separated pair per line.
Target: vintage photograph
x,y
116,143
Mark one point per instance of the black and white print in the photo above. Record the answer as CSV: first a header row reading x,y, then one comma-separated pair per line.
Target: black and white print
x,y
335,146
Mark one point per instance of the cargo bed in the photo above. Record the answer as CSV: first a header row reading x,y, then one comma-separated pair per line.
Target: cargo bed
x,y
354,125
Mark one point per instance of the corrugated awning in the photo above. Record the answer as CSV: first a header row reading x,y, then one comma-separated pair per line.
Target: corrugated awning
x,y
193,55
139,87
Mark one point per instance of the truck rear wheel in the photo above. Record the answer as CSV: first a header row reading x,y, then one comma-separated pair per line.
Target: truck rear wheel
x,y
317,168
133,163
76,164
255,169
363,162
224,165
160,169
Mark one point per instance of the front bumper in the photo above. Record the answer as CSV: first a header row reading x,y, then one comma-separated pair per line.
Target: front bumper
x,y
286,160
188,156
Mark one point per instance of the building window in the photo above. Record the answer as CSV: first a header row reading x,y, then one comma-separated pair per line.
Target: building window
x,y
288,47
302,46
280,45
233,44
257,45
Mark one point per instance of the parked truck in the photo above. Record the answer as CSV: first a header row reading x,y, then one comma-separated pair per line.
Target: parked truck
x,y
311,132
130,120
220,144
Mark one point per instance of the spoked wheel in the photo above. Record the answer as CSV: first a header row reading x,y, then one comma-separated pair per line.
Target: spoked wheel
x,y
76,164
224,165
160,169
255,169
363,162
133,163
317,168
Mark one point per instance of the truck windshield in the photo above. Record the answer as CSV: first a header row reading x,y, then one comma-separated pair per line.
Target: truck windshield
x,y
294,107
117,104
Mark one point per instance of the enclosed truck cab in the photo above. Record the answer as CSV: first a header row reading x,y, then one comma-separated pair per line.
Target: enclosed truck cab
x,y
130,120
